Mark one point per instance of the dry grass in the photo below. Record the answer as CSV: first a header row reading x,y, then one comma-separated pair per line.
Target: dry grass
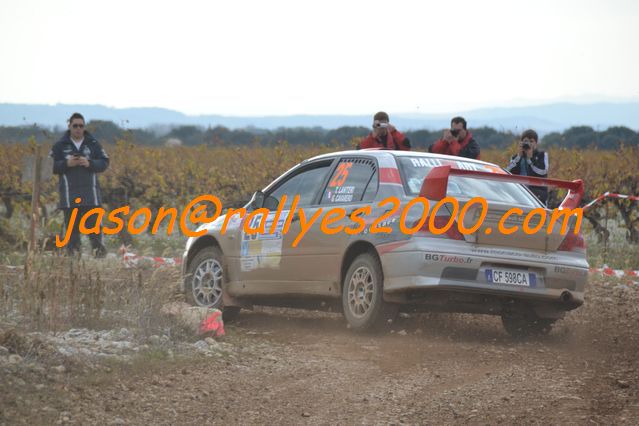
x,y
57,293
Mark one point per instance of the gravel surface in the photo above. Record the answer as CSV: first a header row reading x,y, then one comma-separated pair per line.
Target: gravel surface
x,y
283,366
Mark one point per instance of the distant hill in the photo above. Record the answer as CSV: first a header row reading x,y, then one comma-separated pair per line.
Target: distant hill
x,y
544,118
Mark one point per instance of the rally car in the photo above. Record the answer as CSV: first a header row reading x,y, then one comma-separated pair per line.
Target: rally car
x,y
416,263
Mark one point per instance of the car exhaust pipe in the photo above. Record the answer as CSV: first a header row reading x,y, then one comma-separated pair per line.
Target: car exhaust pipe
x,y
566,297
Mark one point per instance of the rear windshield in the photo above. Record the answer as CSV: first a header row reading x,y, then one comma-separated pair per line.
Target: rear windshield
x,y
415,169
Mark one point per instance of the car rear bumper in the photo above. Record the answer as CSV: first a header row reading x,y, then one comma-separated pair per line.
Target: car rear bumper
x,y
559,279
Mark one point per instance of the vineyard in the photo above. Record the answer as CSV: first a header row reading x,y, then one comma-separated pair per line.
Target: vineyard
x,y
171,176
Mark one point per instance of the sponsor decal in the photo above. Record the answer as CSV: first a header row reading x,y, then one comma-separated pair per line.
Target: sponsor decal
x,y
426,162
511,253
573,272
446,258
263,250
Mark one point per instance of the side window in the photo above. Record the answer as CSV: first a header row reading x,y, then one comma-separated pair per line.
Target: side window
x,y
305,183
350,180
371,188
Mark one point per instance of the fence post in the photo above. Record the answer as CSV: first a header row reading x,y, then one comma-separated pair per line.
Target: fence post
x,y
605,256
35,198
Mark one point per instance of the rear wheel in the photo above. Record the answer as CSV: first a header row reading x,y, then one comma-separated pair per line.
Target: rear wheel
x,y
362,295
526,324
205,282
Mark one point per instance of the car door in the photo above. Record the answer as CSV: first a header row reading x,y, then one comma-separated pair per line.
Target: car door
x,y
265,270
314,264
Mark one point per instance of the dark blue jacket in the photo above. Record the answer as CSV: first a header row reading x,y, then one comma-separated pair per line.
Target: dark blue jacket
x,y
79,181
537,166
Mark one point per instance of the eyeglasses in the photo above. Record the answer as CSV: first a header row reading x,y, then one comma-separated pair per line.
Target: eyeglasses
x,y
77,126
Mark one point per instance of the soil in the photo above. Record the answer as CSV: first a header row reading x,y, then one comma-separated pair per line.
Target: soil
x,y
298,367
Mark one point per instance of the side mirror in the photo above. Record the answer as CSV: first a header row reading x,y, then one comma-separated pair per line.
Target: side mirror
x,y
270,203
257,200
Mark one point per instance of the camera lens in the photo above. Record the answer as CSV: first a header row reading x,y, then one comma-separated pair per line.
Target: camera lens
x,y
526,146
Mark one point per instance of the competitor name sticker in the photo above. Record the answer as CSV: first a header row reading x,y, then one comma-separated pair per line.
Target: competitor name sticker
x,y
341,194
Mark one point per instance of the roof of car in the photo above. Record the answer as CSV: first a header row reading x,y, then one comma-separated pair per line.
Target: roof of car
x,y
376,152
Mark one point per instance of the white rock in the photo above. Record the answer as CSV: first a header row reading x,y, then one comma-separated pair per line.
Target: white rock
x,y
67,350
189,316
60,369
213,344
201,345
15,359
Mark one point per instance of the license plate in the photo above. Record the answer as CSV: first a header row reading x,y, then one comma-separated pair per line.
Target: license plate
x,y
511,277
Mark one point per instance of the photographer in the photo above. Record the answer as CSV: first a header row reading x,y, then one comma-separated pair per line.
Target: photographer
x,y
384,135
456,141
530,162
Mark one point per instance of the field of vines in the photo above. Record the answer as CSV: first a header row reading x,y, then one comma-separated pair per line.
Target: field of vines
x,y
172,176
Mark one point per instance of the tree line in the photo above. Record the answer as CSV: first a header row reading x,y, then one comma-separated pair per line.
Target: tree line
x,y
107,131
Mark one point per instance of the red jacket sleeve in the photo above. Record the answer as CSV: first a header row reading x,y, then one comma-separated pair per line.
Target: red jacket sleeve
x,y
440,147
454,147
400,140
368,142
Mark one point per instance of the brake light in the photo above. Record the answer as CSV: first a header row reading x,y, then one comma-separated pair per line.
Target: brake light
x,y
440,222
574,243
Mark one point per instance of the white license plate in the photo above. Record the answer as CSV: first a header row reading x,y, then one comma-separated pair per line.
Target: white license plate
x,y
511,277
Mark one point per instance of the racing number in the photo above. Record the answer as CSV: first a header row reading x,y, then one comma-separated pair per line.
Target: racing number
x,y
341,174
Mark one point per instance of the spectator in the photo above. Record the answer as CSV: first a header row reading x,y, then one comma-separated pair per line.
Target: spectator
x,y
384,135
530,162
456,141
77,159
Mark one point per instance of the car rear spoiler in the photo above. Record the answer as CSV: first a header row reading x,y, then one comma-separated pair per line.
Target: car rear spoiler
x,y
435,184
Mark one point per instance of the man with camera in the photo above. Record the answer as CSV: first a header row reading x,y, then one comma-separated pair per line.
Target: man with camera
x,y
456,141
530,162
384,135
77,159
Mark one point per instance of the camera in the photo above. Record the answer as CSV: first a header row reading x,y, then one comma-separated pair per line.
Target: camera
x,y
525,145
454,132
380,125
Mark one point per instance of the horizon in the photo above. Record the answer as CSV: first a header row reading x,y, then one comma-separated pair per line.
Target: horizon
x,y
519,103
544,118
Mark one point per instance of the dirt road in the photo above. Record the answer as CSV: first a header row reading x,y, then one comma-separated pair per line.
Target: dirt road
x,y
296,367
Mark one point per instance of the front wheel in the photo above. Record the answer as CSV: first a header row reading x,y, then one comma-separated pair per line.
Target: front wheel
x,y
205,282
362,295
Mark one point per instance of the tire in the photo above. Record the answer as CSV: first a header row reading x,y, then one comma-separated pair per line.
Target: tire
x,y
526,324
205,281
362,295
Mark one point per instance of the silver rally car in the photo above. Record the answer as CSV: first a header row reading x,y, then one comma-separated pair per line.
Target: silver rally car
x,y
529,280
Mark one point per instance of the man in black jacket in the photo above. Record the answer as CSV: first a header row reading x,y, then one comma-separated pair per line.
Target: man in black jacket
x,y
530,162
77,159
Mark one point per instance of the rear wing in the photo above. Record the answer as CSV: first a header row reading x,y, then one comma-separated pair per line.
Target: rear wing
x,y
435,183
